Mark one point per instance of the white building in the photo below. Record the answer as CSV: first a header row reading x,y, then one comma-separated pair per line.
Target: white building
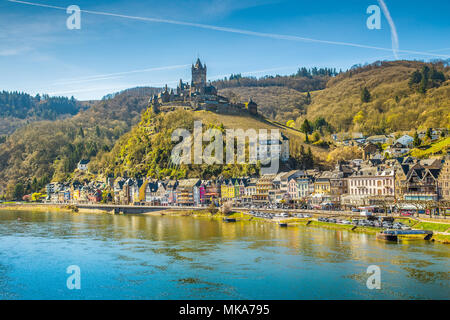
x,y
83,165
405,140
372,181
273,148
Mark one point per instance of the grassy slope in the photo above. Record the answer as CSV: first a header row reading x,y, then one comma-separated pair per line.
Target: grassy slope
x,y
393,103
440,147
279,103
246,122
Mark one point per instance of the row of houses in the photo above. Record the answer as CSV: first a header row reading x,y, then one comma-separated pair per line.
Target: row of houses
x,y
380,146
357,138
351,184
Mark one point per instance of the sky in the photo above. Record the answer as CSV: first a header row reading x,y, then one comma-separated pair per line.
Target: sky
x,y
123,44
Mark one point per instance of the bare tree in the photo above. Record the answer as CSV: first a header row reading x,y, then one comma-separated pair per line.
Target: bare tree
x,y
226,208
443,205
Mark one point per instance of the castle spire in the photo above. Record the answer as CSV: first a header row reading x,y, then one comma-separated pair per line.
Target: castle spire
x,y
198,64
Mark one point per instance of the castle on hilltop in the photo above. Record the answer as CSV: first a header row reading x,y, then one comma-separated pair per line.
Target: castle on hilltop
x,y
198,95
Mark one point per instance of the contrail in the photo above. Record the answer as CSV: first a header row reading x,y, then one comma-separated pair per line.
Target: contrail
x,y
237,31
111,89
116,74
394,35
215,77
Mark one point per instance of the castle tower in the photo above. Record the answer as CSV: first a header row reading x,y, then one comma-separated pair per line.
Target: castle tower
x,y
252,107
198,77
155,104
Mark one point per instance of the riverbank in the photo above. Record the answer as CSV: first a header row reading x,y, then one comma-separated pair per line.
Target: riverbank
x,y
438,235
440,230
38,207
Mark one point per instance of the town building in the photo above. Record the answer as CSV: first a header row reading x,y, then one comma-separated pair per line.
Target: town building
x,y
185,191
422,182
444,180
369,183
83,165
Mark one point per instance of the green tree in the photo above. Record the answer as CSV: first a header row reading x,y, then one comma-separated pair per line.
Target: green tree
x,y
316,136
365,95
416,78
306,127
308,98
416,142
429,133
437,77
18,191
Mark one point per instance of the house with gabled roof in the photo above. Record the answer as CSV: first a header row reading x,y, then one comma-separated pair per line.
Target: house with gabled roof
x,y
185,191
421,183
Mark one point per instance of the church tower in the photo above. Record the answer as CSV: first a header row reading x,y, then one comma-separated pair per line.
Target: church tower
x,y
198,77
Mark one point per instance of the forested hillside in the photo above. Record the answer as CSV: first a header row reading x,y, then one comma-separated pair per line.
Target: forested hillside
x,y
146,149
378,98
303,80
385,97
279,97
17,108
44,150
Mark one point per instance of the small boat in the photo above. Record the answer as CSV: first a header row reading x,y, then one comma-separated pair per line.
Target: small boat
x,y
387,237
283,225
229,219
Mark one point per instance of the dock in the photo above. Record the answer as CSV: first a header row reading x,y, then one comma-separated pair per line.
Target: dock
x,y
392,235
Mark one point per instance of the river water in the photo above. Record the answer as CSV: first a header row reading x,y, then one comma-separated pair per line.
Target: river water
x,y
163,257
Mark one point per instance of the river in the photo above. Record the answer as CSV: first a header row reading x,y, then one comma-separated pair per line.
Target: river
x,y
168,257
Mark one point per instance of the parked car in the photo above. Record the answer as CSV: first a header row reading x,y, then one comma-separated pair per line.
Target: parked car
x,y
365,213
406,214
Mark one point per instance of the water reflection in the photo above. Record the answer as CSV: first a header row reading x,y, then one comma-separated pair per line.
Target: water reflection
x,y
163,257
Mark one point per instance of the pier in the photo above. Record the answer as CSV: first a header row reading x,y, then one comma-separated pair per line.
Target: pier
x,y
392,235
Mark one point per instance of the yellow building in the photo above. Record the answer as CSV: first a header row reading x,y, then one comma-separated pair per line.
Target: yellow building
x,y
227,190
322,184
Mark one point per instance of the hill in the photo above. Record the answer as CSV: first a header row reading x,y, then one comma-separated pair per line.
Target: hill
x,y
278,103
18,109
279,97
438,148
393,104
146,149
395,100
383,97
44,150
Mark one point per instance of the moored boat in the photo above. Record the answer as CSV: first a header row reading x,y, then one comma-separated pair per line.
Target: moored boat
x,y
386,236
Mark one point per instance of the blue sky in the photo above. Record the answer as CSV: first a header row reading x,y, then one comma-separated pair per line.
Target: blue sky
x,y
38,54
